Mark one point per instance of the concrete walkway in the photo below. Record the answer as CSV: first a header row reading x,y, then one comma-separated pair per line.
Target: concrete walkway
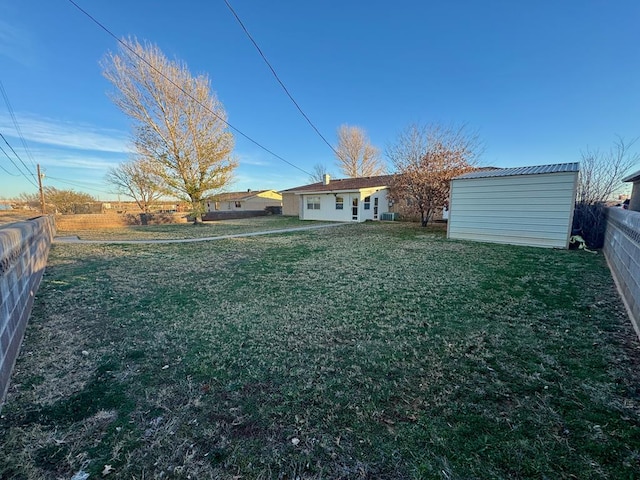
x,y
191,240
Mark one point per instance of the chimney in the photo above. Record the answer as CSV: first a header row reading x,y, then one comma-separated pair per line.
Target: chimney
x,y
325,179
248,190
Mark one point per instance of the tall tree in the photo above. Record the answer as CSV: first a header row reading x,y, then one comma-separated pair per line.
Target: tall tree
x,y
600,177
355,155
137,179
177,121
426,158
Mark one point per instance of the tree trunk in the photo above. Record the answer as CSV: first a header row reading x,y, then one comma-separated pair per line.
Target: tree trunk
x,y
196,211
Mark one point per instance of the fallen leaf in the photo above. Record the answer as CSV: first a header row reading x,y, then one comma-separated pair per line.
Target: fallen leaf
x,y
107,470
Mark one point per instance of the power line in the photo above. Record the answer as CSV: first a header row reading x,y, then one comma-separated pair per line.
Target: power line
x,y
240,132
79,185
1,167
14,163
273,71
15,123
17,156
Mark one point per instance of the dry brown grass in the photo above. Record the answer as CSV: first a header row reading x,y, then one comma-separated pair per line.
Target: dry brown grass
x,y
11,216
185,231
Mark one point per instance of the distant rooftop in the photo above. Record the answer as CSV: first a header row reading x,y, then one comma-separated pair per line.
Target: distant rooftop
x,y
236,196
534,170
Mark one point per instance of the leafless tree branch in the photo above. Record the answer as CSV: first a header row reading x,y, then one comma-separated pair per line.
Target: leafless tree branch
x,y
356,156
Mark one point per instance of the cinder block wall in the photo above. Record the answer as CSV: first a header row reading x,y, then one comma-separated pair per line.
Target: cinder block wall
x,y
622,250
24,248
90,221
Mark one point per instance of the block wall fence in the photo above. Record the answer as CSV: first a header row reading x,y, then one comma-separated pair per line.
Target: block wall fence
x,y
91,221
622,251
24,248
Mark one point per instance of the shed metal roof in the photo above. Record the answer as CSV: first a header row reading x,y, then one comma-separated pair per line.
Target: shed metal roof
x,y
534,170
634,177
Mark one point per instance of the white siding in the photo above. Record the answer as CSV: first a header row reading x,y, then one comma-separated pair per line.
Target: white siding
x,y
535,210
328,211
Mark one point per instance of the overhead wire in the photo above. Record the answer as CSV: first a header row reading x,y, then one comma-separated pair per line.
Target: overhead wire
x,y
1,167
15,164
16,124
240,132
86,186
277,77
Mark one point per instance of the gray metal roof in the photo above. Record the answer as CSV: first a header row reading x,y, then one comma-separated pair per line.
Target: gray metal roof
x,y
535,170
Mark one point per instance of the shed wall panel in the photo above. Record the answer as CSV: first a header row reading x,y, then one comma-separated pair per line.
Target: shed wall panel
x,y
534,210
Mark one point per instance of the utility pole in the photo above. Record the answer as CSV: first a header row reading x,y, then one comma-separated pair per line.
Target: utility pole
x,y
42,206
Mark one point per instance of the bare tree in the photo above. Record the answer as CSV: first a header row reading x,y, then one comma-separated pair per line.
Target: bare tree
x,y
601,172
600,177
426,158
318,173
178,122
355,154
136,179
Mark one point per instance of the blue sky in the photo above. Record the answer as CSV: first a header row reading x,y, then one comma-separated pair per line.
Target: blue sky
x,y
539,80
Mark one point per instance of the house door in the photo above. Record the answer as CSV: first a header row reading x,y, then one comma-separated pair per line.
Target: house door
x,y
354,209
375,208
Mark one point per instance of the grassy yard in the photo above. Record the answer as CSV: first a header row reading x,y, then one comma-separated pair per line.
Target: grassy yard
x,y
182,231
11,216
362,351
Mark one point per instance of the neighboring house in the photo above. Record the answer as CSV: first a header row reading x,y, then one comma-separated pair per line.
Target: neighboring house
x,y
251,200
341,200
521,206
634,201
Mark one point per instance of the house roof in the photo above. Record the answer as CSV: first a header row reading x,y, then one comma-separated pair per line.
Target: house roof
x,y
343,184
237,196
634,177
534,170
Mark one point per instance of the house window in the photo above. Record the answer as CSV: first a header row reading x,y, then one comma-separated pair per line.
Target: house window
x,y
339,203
313,203
238,204
367,203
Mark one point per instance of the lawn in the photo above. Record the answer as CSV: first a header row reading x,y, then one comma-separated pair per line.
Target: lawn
x,y
361,351
188,230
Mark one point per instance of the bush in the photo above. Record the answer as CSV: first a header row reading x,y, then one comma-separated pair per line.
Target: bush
x,y
589,222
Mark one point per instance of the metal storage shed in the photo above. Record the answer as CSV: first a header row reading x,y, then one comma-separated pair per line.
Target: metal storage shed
x,y
520,206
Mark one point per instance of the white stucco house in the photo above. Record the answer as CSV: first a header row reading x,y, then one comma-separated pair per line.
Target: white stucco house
x,y
521,206
250,200
340,200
